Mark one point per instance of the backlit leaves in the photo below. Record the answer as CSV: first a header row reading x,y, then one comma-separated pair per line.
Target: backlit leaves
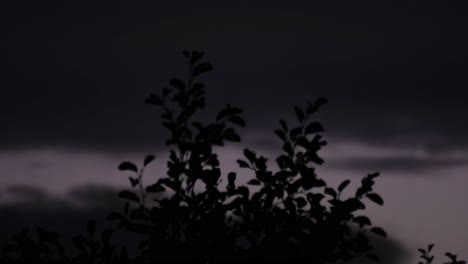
x,y
299,113
243,164
148,160
343,185
330,192
253,182
128,166
202,68
379,231
128,195
362,220
375,198
313,128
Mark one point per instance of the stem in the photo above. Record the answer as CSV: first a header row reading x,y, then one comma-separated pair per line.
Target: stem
x,y
142,190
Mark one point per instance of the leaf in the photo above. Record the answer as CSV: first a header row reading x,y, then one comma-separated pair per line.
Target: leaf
x,y
222,114
114,216
243,191
128,166
155,188
312,108
288,203
177,83
154,100
198,126
81,242
231,177
299,113
148,160
235,111
315,197
134,181
280,134
284,125
321,101
379,231
123,253
312,156
238,121
91,227
319,183
230,135
362,220
197,87
313,128
45,235
294,133
138,214
196,56
139,228
331,192
375,198
343,185
300,201
373,257
243,164
429,248
169,183
202,68
250,155
128,195
234,204
356,204
303,142
287,147
106,235
254,182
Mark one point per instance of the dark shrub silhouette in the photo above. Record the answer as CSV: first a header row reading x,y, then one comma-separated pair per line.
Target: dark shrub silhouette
x,y
428,258
289,215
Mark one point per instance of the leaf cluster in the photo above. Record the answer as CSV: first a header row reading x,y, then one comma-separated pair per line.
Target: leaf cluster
x,y
428,258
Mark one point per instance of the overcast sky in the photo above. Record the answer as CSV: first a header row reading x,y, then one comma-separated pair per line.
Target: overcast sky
x,y
74,77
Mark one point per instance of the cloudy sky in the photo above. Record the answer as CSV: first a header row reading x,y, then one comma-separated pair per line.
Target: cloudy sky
x,y
74,77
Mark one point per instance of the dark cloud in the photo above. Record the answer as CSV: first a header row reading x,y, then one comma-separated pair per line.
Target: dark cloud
x,y
66,215
398,164
95,196
77,74
388,250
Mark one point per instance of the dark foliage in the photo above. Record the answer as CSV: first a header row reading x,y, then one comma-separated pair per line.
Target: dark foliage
x,y
428,258
289,215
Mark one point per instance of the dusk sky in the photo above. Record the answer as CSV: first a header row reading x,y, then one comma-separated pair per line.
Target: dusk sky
x,y
75,75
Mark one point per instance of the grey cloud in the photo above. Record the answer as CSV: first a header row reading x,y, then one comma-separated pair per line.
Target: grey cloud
x,y
360,155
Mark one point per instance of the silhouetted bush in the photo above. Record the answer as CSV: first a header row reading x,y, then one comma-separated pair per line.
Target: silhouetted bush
x,y
288,215
428,258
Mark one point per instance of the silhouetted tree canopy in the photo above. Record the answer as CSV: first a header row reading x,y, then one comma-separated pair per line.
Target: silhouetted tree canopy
x,y
286,215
